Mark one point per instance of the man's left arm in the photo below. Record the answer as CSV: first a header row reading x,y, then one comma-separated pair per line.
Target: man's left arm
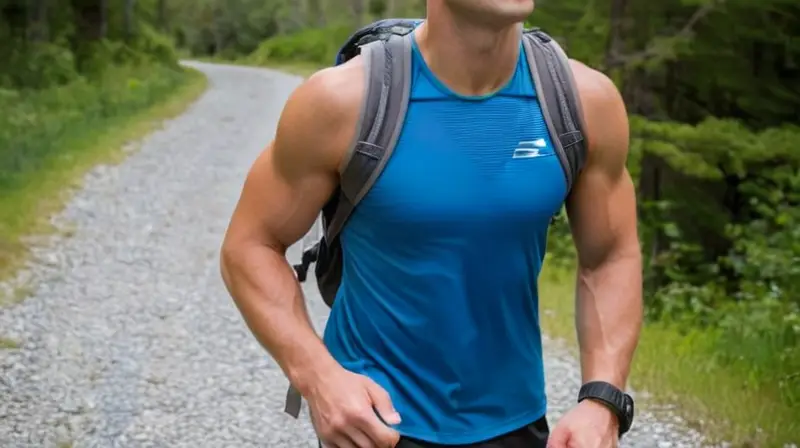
x,y
602,215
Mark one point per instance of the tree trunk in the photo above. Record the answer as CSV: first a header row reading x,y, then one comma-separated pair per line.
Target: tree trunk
x,y
358,8
161,15
296,15
316,14
616,33
14,15
650,184
90,19
128,18
38,25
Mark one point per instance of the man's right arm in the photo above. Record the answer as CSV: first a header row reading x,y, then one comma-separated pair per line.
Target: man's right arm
x,y
282,196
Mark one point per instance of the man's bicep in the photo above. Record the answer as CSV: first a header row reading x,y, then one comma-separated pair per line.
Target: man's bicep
x,y
602,204
280,200
602,216
294,177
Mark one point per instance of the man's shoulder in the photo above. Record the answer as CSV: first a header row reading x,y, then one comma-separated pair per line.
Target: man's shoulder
x,y
603,108
334,93
593,85
319,119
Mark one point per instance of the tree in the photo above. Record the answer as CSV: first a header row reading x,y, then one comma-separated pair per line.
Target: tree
x,y
91,19
128,19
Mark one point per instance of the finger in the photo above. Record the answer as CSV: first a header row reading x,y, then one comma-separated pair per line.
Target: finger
x,y
559,438
339,442
382,403
381,435
359,438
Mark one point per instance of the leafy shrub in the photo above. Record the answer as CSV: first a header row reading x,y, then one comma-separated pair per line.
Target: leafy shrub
x,y
147,47
155,46
37,65
37,126
316,45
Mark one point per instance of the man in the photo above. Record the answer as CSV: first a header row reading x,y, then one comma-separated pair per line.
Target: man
x,y
434,339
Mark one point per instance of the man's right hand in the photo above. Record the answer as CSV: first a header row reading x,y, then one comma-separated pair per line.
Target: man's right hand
x,y
344,410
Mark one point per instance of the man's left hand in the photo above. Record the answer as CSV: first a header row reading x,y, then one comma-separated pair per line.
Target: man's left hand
x,y
588,425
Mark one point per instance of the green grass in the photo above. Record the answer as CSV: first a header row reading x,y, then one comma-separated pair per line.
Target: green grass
x,y
49,139
724,402
8,344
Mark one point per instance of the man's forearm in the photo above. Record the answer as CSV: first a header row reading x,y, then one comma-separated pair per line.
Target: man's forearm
x,y
608,317
264,288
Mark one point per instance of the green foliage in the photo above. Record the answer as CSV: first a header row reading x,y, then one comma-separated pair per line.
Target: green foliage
x,y
230,28
36,127
72,71
318,45
38,65
225,27
47,47
151,46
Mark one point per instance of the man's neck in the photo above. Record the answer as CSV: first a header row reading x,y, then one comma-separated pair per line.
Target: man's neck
x,y
471,60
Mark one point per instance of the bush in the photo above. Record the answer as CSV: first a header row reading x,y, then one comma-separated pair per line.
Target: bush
x,y
152,46
37,126
37,65
316,45
146,48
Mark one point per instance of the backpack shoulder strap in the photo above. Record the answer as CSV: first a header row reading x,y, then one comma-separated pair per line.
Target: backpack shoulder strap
x,y
388,88
558,98
387,64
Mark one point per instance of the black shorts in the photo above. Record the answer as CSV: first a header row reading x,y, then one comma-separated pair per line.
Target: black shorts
x,y
531,436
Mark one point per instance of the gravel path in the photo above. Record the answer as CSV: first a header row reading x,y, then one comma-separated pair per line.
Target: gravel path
x,y
129,338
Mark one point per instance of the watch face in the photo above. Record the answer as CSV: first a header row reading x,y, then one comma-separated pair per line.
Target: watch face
x,y
628,407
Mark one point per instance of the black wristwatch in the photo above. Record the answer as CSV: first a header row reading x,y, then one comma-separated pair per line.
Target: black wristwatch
x,y
620,403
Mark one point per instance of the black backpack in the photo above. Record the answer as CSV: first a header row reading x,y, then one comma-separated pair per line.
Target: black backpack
x,y
386,50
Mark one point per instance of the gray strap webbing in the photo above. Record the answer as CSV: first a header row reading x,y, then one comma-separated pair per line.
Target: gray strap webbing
x,y
559,101
387,96
388,90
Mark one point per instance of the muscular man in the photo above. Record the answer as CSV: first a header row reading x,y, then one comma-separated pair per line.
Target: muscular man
x,y
434,339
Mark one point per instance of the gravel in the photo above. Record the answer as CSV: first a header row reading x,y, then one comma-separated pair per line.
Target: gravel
x,y
129,339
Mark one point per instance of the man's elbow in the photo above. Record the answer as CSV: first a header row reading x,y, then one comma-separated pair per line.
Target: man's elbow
x,y
243,263
228,255
233,260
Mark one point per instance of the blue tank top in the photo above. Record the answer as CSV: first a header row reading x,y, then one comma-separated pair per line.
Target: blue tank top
x,y
438,301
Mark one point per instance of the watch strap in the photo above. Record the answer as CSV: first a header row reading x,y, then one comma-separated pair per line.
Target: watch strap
x,y
615,399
